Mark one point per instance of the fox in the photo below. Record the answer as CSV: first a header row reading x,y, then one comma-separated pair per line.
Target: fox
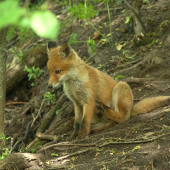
x,y
85,85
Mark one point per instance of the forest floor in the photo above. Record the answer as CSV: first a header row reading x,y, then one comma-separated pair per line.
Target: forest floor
x,y
141,143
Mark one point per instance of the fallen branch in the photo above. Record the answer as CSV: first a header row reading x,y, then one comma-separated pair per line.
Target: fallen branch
x,y
13,103
46,137
138,80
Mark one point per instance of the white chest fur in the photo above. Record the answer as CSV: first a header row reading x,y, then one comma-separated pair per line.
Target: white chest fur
x,y
76,91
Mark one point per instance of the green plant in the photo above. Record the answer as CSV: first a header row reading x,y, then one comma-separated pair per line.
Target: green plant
x,y
147,2
32,150
110,22
19,53
152,43
127,55
51,97
164,23
33,73
4,154
92,46
90,42
18,16
99,149
73,39
24,33
57,112
100,66
118,77
84,12
54,154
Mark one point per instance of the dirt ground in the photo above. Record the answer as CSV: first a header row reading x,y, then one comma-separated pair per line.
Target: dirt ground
x,y
141,143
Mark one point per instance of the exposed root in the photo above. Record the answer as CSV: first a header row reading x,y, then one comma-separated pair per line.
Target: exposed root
x,y
130,80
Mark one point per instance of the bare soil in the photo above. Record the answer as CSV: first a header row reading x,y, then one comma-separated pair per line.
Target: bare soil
x,y
141,143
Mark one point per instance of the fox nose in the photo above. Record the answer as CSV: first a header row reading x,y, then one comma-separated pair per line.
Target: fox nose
x,y
50,86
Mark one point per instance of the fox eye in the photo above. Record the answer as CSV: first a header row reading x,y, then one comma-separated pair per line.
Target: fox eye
x,y
58,71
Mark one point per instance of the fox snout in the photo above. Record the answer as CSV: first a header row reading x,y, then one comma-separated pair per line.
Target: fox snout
x,y
50,86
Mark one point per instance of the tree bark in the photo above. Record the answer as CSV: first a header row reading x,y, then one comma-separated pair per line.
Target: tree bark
x,y
3,55
139,27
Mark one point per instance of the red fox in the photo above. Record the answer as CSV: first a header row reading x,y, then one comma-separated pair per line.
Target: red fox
x,y
84,85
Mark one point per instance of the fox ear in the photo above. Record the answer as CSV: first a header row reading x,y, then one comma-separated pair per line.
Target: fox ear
x,y
65,51
51,44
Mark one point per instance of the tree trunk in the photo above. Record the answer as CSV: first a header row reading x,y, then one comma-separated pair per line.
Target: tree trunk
x,y
139,27
3,56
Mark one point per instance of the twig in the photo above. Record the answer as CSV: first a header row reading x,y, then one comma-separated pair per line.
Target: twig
x,y
26,110
27,130
105,144
73,154
65,144
46,137
32,143
12,103
128,69
16,144
138,80
37,114
129,63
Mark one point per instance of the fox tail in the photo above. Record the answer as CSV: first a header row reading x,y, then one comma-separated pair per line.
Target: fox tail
x,y
149,104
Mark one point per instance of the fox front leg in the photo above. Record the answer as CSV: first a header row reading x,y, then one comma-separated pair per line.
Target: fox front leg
x,y
78,109
88,111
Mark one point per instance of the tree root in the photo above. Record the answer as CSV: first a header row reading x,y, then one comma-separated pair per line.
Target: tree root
x,y
19,161
130,80
46,137
128,69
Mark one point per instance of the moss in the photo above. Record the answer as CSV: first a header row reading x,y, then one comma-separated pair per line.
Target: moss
x,y
37,144
43,125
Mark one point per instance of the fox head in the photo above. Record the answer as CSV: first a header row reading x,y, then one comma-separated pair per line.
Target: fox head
x,y
59,63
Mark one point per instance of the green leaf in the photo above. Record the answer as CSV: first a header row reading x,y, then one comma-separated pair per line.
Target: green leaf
x,y
45,24
2,136
10,12
54,154
32,84
32,150
72,39
118,2
10,33
127,20
83,12
120,76
57,112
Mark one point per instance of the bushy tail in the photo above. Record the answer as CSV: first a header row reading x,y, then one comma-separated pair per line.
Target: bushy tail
x,y
149,104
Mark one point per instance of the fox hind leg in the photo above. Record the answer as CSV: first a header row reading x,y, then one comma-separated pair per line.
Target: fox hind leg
x,y
121,104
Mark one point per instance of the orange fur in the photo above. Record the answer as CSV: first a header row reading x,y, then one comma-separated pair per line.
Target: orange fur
x,y
84,85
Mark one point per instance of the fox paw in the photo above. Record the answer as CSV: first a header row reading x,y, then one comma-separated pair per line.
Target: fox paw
x,y
72,137
81,136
